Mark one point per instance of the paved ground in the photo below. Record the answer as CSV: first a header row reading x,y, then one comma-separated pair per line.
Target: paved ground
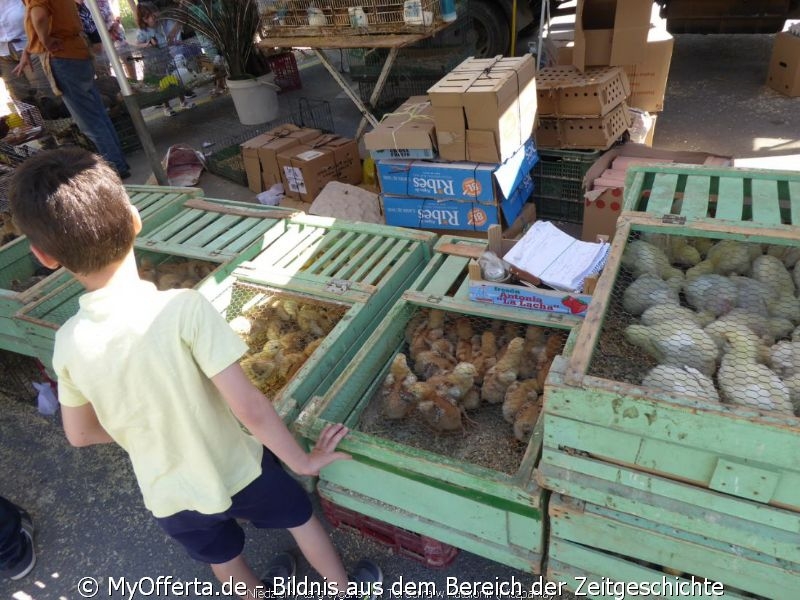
x,y
90,517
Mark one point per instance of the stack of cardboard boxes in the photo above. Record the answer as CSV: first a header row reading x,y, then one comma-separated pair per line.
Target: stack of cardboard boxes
x,y
303,160
478,120
617,33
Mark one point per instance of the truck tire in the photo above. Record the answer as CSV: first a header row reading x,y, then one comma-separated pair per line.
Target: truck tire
x,y
491,27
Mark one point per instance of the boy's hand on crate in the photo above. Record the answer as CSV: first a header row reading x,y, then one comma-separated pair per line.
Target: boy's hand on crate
x,y
324,451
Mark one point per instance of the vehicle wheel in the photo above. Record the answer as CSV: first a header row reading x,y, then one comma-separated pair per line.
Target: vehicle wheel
x,y
491,28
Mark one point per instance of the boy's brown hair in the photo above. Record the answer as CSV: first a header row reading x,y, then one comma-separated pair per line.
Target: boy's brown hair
x,y
71,204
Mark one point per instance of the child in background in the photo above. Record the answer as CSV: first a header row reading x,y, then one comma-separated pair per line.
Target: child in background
x,y
158,373
154,41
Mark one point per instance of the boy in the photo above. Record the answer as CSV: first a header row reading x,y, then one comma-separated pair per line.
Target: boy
x,y
158,373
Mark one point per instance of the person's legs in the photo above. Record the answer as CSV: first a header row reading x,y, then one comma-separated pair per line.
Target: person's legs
x,y
316,546
75,79
17,557
235,570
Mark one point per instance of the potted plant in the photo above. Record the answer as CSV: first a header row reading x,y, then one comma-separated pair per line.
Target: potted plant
x,y
231,27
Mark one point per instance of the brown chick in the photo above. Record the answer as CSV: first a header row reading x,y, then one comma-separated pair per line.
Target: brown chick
x,y
554,345
290,363
484,354
455,384
510,331
437,411
429,363
503,373
169,281
525,420
312,345
398,401
517,395
534,345
309,319
472,399
293,341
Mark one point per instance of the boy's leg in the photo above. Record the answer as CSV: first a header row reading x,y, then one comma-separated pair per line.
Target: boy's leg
x,y
316,546
238,570
17,556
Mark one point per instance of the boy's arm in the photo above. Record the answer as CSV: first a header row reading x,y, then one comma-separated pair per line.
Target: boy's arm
x,y
82,427
256,413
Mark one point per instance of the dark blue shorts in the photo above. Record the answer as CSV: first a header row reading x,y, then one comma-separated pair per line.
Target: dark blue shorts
x,y
273,500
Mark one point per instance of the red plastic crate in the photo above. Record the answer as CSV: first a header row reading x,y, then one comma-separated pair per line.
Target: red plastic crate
x,y
433,553
287,75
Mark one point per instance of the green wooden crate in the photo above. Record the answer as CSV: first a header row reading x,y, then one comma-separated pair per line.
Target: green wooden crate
x,y
359,266
740,543
460,501
157,204
755,197
218,231
579,566
687,552
597,404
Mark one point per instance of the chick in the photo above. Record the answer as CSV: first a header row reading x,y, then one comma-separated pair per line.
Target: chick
x,y
525,421
517,394
681,380
784,358
659,313
649,290
429,363
397,399
437,411
312,346
676,343
503,373
484,354
534,345
730,257
555,343
789,255
641,257
293,341
770,271
712,293
455,384
311,319
169,281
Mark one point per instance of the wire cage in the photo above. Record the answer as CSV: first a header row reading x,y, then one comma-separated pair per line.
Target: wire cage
x,y
342,17
705,317
282,330
224,157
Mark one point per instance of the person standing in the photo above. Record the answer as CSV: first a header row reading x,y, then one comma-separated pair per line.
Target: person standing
x,y
17,556
33,82
55,34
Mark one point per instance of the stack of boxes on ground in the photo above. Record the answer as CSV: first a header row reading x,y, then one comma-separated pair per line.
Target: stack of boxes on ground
x,y
460,158
605,79
301,159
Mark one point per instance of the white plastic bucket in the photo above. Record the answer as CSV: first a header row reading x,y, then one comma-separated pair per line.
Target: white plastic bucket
x,y
256,100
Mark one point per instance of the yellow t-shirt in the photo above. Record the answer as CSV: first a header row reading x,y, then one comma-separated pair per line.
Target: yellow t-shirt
x,y
143,359
65,25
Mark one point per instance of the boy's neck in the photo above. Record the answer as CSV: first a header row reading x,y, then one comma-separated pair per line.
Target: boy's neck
x,y
121,272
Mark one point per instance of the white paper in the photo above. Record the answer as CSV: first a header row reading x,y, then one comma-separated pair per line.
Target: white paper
x,y
555,257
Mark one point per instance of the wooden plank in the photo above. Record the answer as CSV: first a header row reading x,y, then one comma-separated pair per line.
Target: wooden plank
x,y
365,261
461,250
730,199
451,269
379,271
363,247
766,206
794,202
696,197
662,194
633,188
242,211
334,39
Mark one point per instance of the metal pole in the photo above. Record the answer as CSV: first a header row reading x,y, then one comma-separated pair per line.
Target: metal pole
x,y
127,95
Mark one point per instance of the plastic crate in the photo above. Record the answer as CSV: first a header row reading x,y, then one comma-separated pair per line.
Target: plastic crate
x,y
432,553
287,75
558,183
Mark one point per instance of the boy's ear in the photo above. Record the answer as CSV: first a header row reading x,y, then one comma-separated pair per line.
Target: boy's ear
x,y
137,220
44,258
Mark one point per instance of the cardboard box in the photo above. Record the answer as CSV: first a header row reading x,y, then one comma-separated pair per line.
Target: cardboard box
x,y
610,32
493,99
345,152
458,180
784,65
586,133
285,138
602,207
564,91
522,296
408,132
252,164
460,214
305,171
648,75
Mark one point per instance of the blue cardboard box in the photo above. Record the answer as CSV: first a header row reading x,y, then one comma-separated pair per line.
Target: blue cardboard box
x,y
456,181
475,215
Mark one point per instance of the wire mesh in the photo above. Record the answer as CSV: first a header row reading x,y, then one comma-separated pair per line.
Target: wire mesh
x,y
714,319
282,330
465,387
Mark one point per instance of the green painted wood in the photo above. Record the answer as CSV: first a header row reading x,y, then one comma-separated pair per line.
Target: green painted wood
x,y
771,532
662,194
744,480
766,207
612,531
375,270
634,187
696,197
730,199
794,201
517,556
578,565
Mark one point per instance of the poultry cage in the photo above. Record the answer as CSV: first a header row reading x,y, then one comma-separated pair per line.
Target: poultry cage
x,y
675,415
436,452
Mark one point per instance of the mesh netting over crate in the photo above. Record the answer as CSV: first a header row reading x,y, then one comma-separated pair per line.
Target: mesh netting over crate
x,y
224,155
712,319
465,387
282,330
